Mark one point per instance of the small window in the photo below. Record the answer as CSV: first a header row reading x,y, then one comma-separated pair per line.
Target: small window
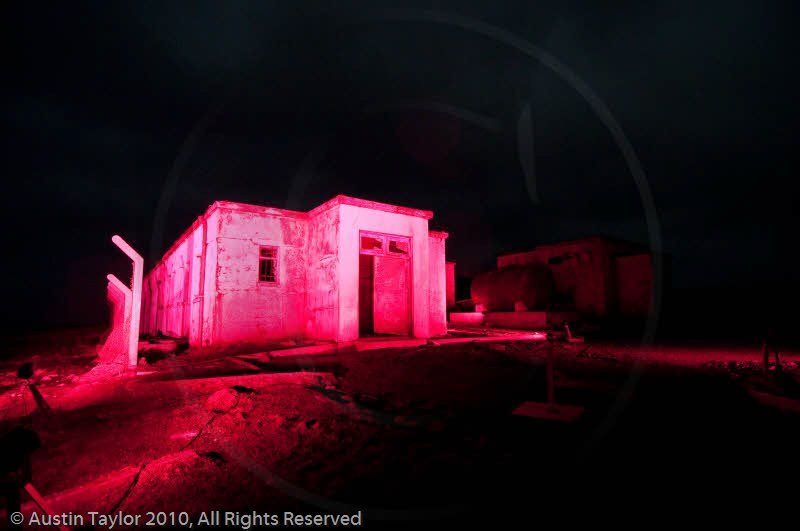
x,y
266,265
397,246
369,243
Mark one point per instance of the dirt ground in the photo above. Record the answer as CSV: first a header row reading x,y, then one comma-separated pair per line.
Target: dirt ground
x,y
424,436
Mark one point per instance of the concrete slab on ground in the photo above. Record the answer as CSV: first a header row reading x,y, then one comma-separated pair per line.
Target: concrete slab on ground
x,y
85,395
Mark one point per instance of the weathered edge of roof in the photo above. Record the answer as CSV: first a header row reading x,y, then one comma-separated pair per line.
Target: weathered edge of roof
x,y
596,240
374,205
258,209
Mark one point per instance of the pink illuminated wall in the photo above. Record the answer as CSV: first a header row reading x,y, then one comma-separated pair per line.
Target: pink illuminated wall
x,y
207,286
322,274
246,309
115,347
437,284
450,284
356,216
173,294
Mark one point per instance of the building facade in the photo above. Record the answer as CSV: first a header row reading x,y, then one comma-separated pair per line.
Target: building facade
x,y
348,268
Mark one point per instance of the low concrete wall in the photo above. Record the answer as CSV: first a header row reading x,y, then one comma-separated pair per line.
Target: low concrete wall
x,y
466,318
529,320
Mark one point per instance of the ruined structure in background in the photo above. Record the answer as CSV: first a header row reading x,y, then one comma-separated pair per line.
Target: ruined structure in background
x,y
514,288
349,267
587,278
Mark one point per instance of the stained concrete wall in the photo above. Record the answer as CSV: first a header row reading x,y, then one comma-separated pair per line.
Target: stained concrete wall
x,y
206,287
197,299
172,295
354,219
206,324
438,284
247,309
166,293
322,275
115,346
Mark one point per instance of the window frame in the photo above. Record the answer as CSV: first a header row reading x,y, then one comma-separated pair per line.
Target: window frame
x,y
274,259
385,239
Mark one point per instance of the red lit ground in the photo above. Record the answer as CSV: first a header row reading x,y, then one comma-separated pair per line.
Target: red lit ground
x,y
417,434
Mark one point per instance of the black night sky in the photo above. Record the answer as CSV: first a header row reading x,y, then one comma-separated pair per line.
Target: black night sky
x,y
287,104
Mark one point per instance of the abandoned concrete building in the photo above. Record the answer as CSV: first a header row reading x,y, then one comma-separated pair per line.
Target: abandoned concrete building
x,y
589,278
597,276
347,268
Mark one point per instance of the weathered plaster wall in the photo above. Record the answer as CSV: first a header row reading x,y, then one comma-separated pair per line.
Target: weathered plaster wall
x,y
171,293
148,305
116,344
322,275
166,292
196,298
246,308
175,288
438,284
207,324
354,219
206,287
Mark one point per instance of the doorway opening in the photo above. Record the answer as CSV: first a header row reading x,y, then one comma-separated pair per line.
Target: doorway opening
x,y
384,285
366,280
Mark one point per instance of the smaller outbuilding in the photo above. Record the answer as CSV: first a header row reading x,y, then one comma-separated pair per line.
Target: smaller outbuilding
x,y
588,278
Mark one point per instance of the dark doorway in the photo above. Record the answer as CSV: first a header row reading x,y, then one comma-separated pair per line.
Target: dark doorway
x,y
366,288
391,302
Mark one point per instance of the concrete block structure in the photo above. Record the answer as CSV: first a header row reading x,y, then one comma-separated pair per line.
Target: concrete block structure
x,y
595,276
347,268
115,347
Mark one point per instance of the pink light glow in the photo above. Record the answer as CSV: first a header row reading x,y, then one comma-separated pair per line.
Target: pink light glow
x,y
116,343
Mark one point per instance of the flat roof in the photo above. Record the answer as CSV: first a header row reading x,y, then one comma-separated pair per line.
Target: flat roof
x,y
373,205
258,209
588,240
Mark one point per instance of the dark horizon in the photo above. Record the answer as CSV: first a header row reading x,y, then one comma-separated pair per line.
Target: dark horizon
x,y
107,105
